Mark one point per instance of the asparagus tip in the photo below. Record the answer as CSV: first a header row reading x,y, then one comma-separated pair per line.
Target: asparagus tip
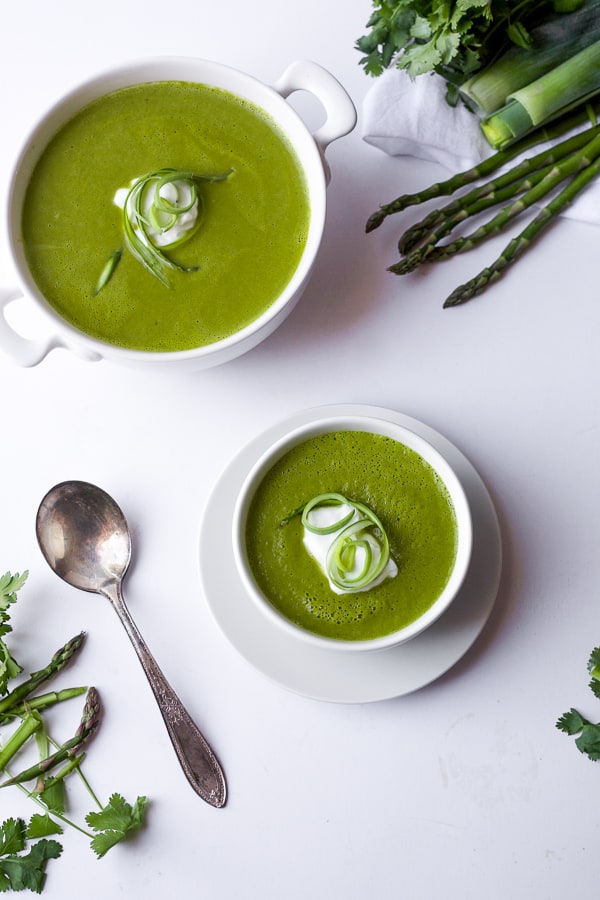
x,y
374,221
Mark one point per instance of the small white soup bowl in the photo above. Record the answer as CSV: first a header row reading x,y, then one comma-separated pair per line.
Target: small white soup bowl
x,y
371,425
309,146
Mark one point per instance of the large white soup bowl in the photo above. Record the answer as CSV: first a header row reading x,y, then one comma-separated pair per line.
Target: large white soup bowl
x,y
340,118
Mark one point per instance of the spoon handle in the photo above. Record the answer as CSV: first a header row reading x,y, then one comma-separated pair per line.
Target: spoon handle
x,y
197,759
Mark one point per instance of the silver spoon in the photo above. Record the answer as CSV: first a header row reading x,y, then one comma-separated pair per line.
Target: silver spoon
x,y
85,539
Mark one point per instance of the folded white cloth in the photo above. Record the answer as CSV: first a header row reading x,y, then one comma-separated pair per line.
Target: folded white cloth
x,y
405,117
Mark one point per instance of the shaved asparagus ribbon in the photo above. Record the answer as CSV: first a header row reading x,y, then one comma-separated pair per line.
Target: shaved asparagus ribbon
x,y
358,529
148,213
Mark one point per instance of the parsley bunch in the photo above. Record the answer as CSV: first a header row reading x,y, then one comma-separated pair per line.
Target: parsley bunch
x,y
573,723
25,848
9,585
454,38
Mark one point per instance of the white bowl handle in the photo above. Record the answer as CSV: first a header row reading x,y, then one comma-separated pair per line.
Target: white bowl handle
x,y
24,351
304,75
28,352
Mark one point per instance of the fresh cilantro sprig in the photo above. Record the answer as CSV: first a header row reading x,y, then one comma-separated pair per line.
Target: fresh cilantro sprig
x,y
586,733
25,849
9,586
453,39
20,871
116,821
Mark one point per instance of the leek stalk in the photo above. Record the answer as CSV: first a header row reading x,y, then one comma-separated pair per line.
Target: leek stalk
x,y
553,42
564,87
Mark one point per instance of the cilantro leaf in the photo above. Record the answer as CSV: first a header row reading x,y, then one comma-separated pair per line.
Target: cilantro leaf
x,y
28,871
12,836
571,722
453,39
115,822
42,826
54,796
588,741
594,663
9,586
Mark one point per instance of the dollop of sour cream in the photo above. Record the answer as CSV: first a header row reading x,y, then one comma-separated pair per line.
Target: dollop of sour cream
x,y
169,232
317,545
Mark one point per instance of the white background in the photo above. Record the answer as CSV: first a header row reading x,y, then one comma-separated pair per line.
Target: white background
x,y
463,789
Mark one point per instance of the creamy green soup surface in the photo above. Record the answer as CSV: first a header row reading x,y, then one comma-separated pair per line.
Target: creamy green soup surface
x,y
252,233
409,498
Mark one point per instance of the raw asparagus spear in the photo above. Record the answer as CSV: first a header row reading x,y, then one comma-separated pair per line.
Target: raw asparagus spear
x,y
517,178
90,721
520,243
539,188
58,661
492,164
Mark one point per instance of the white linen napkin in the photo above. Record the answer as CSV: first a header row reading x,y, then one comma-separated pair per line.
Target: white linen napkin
x,y
405,117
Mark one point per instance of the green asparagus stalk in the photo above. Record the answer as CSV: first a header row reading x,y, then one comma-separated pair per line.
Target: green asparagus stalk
x,y
90,721
519,176
539,188
431,249
486,167
519,244
58,662
42,701
28,727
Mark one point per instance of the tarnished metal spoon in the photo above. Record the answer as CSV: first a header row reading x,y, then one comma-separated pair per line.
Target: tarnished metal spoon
x,y
85,539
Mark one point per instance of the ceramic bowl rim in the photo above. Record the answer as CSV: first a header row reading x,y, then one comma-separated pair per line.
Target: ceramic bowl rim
x,y
130,73
376,425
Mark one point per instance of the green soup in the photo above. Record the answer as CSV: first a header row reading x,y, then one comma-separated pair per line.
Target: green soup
x,y
406,494
253,225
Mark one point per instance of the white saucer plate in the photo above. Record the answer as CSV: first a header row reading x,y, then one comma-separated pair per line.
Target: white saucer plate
x,y
332,675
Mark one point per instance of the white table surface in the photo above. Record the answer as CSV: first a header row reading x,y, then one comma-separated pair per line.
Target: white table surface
x,y
462,789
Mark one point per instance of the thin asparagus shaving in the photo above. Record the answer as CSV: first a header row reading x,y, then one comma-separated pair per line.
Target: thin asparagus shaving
x,y
486,167
58,662
539,188
109,269
140,227
519,244
514,176
90,721
357,529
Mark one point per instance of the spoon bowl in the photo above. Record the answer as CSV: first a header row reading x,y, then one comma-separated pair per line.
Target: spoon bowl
x,y
85,539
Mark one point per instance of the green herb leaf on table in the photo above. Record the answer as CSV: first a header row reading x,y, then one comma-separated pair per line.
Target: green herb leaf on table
x,y
12,836
453,39
586,733
23,871
9,587
115,822
21,705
